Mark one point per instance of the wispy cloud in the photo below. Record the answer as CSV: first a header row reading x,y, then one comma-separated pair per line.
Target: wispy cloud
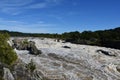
x,y
14,3
14,22
38,5
44,4
12,11
38,27
15,7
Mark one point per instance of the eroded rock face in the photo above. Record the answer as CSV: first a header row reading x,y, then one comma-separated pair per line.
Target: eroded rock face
x,y
23,44
20,71
7,74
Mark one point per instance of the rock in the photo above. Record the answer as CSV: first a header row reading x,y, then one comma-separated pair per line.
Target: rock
x,y
66,47
26,45
53,55
32,48
7,74
106,53
118,68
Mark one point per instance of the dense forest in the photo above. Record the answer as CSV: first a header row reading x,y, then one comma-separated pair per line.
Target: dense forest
x,y
107,38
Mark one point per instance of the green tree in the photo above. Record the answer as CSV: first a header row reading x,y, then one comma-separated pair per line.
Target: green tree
x,y
7,54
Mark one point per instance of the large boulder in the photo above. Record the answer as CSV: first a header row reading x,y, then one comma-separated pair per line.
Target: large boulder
x,y
32,48
23,44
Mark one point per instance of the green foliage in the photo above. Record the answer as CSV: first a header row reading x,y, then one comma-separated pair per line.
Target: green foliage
x,y
31,66
25,41
7,55
107,38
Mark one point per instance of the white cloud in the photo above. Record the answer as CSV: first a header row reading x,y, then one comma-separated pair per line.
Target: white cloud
x,y
44,4
38,5
15,7
13,22
38,27
14,3
53,1
12,11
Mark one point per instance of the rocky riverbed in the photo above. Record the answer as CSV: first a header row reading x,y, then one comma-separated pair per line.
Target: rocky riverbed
x,y
66,61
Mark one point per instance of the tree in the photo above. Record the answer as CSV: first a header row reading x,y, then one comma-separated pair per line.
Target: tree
x,y
7,54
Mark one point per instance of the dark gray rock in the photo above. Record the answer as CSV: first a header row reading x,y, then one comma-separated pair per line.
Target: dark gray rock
x,y
106,52
118,68
66,47
22,44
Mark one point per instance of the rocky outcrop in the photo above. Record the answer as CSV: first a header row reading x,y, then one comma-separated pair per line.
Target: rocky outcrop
x,y
106,52
23,44
19,71
7,74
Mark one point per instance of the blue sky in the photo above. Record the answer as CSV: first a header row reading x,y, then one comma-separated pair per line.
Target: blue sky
x,y
58,16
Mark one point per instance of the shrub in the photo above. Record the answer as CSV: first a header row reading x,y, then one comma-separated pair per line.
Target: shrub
x,y
7,54
31,66
25,41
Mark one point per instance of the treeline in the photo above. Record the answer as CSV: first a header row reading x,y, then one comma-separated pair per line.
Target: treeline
x,y
107,38
20,34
